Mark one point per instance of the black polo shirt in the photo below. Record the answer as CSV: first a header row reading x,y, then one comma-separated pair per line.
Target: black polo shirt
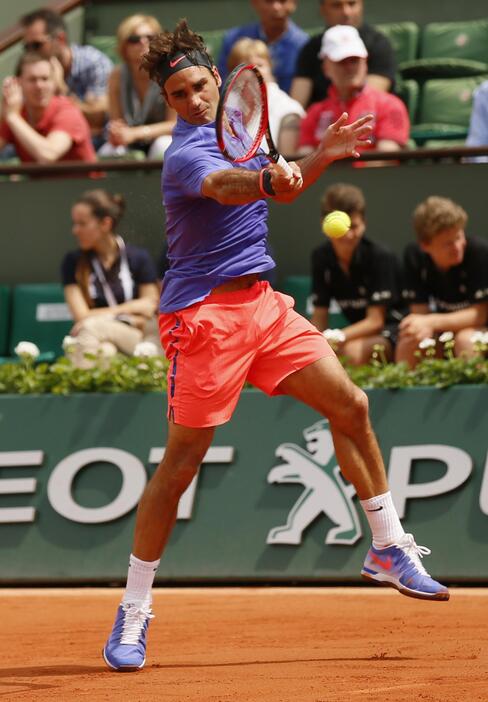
x,y
455,289
373,279
141,267
381,60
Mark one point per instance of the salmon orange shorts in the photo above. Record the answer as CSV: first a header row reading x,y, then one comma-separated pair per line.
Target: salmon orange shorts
x,y
216,345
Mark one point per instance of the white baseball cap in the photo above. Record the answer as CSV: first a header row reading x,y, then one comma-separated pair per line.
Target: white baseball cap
x,y
340,42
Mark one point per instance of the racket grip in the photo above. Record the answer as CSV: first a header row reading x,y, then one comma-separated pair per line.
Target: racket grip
x,y
285,167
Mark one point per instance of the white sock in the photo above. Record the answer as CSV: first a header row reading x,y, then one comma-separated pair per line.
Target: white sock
x,y
139,581
383,520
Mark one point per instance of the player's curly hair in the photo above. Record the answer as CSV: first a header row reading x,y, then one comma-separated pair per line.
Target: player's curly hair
x,y
166,44
435,215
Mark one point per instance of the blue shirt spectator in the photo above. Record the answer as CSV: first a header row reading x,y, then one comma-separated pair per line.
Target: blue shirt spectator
x,y
283,37
90,69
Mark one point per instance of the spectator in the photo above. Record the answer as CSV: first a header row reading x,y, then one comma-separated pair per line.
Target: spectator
x,y
81,71
42,126
478,127
362,276
139,117
310,84
446,280
344,61
110,287
284,112
283,37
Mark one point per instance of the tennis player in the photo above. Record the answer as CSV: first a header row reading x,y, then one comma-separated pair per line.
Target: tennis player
x,y
220,327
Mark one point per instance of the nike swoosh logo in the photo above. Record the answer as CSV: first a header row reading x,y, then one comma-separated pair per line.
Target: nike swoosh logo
x,y
385,563
174,63
374,510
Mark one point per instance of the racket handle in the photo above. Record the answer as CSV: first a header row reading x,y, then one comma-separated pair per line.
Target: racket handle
x,y
285,167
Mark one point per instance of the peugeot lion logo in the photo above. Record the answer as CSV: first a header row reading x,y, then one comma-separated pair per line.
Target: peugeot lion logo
x,y
325,491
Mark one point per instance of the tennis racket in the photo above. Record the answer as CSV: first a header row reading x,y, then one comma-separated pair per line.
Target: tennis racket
x,y
242,122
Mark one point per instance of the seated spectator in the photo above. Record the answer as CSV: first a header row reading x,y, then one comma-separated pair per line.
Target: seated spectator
x,y
110,287
81,71
310,84
446,281
362,276
283,37
139,117
284,112
478,127
42,126
344,61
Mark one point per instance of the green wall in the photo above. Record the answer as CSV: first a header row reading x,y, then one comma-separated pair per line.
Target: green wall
x,y
36,213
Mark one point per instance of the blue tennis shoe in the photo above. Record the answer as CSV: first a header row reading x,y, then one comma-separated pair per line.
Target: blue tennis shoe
x,y
399,566
125,649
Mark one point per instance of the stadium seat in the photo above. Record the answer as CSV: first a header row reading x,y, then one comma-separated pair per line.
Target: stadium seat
x,y
107,44
40,315
404,37
450,49
299,287
409,91
4,318
445,109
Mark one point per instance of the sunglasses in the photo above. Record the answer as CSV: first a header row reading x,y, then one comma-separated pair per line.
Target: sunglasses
x,y
34,45
137,38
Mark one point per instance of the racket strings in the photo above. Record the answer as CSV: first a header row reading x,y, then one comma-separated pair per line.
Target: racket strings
x,y
244,116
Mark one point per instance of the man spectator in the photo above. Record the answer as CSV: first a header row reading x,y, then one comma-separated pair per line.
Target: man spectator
x,y
283,37
310,85
446,281
362,276
42,126
81,71
344,62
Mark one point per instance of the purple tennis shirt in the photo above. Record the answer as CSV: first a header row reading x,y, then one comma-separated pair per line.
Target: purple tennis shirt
x,y
208,243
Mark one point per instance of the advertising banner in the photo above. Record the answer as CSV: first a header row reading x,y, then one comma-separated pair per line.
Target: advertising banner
x,y
269,503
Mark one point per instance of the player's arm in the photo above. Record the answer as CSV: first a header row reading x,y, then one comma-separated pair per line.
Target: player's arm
x,y
340,141
372,324
44,149
240,186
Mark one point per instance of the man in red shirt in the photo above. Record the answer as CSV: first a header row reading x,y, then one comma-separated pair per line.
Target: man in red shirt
x,y
344,62
43,127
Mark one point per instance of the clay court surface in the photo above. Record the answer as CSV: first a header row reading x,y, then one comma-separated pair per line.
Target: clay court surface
x,y
250,645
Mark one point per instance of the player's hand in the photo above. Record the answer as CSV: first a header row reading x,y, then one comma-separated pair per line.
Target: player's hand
x,y
416,327
12,96
341,140
283,182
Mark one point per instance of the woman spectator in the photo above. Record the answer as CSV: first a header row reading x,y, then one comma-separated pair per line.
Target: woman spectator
x,y
110,287
139,117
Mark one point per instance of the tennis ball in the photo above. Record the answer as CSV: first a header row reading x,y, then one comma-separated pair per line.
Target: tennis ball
x,y
336,224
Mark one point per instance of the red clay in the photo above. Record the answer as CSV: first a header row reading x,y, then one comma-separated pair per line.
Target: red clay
x,y
250,645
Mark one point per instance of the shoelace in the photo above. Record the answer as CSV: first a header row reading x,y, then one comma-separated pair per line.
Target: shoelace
x,y
414,551
134,620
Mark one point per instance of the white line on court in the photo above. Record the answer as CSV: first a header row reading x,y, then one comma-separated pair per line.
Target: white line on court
x,y
228,591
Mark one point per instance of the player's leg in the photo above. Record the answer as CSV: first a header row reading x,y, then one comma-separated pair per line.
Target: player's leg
x,y
394,558
156,514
